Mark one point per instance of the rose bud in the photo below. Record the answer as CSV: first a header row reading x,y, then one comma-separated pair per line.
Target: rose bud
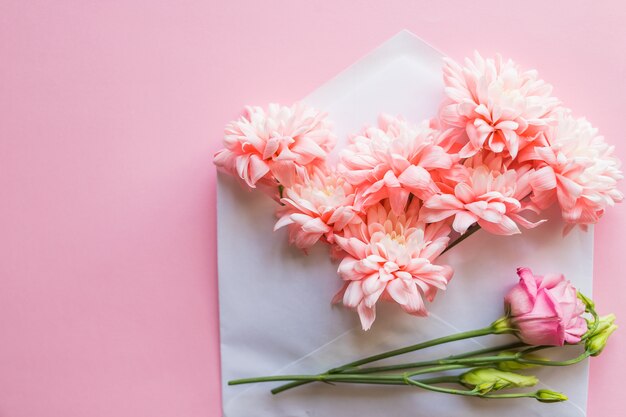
x,y
545,310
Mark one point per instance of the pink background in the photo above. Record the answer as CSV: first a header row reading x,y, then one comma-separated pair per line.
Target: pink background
x,y
110,113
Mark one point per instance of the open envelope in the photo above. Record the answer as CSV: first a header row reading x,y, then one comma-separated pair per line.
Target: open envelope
x,y
275,311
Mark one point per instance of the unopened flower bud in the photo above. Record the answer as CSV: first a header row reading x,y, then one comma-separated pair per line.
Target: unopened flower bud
x,y
484,380
547,396
604,323
597,342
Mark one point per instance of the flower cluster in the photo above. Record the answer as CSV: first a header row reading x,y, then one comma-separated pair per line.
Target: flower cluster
x,y
501,149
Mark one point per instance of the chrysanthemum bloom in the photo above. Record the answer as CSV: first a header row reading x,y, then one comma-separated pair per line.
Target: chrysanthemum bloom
x,y
480,195
576,167
493,104
545,310
392,161
391,257
316,206
275,145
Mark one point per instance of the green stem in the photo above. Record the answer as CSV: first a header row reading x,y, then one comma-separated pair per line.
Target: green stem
x,y
434,342
440,368
388,354
320,378
446,379
487,360
572,361
360,377
467,393
453,362
350,378
286,387
448,360
470,231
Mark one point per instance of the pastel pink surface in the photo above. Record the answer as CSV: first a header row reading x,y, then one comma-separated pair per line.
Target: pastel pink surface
x,y
110,114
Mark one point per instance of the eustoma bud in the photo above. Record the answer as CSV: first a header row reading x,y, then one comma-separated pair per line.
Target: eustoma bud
x,y
604,322
484,380
547,396
596,341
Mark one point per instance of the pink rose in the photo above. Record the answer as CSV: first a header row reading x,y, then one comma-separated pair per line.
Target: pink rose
x,y
545,310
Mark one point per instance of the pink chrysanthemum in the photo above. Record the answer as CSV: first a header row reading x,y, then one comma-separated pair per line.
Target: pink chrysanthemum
x,y
576,167
391,257
480,195
275,145
392,161
493,104
316,206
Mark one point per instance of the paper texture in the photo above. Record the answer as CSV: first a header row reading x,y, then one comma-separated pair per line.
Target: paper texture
x,y
275,310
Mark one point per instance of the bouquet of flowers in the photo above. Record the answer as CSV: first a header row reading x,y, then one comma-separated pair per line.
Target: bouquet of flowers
x,y
542,311
501,150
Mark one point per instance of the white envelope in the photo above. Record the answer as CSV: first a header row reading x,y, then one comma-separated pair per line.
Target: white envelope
x,y
275,311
